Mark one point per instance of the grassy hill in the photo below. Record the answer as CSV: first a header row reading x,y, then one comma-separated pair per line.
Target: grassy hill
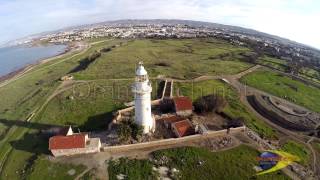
x,y
21,145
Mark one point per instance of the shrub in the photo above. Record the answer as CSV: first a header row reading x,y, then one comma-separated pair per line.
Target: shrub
x,y
162,64
210,103
167,105
105,50
233,123
124,132
94,56
136,130
128,130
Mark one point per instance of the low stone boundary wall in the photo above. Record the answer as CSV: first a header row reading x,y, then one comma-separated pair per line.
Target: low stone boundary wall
x,y
273,116
172,141
119,113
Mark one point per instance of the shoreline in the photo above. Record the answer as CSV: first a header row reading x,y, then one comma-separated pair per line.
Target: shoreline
x,y
26,68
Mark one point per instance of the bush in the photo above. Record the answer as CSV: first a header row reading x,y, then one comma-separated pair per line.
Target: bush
x,y
210,103
136,130
162,64
124,132
167,105
103,50
129,129
233,123
94,56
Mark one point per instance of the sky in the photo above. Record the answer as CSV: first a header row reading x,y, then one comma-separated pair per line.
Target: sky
x,y
297,20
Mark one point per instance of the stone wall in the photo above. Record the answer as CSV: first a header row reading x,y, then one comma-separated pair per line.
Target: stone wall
x,y
69,152
119,113
172,141
265,111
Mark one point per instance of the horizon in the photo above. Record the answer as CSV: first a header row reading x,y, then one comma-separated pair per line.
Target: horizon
x,y
295,20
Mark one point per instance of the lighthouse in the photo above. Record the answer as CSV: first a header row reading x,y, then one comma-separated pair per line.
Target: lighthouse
x,y
142,100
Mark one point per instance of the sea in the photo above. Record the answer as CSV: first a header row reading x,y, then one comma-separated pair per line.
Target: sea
x,y
16,57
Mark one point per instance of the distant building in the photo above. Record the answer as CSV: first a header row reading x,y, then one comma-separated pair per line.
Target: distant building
x,y
182,128
73,143
183,106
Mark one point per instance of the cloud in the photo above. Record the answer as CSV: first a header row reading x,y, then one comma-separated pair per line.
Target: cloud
x,y
293,19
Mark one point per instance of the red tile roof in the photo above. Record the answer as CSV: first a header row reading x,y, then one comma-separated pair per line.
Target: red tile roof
x,y
67,142
182,103
172,119
184,128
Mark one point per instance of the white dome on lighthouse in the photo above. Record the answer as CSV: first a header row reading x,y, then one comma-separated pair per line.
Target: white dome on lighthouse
x,y
140,70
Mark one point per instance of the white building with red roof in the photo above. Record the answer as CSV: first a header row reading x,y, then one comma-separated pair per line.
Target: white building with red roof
x,y
73,143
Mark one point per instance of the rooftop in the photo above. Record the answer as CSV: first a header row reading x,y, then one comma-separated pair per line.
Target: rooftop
x,y
172,119
183,128
182,103
67,142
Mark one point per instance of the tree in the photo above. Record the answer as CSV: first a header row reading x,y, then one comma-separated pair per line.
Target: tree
x,y
166,105
233,123
210,103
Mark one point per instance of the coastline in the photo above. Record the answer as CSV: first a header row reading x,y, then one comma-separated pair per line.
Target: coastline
x,y
78,46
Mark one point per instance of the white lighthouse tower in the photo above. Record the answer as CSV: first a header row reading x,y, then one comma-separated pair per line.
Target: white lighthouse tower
x,y
142,100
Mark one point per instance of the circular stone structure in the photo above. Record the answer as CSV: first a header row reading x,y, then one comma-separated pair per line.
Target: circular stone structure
x,y
284,113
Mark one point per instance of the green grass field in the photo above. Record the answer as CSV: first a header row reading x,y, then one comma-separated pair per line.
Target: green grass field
x,y
132,168
191,58
285,87
182,58
297,149
43,169
279,64
20,98
236,163
234,109
309,73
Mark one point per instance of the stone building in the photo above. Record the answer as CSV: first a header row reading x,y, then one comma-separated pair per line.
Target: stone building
x,y
73,143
